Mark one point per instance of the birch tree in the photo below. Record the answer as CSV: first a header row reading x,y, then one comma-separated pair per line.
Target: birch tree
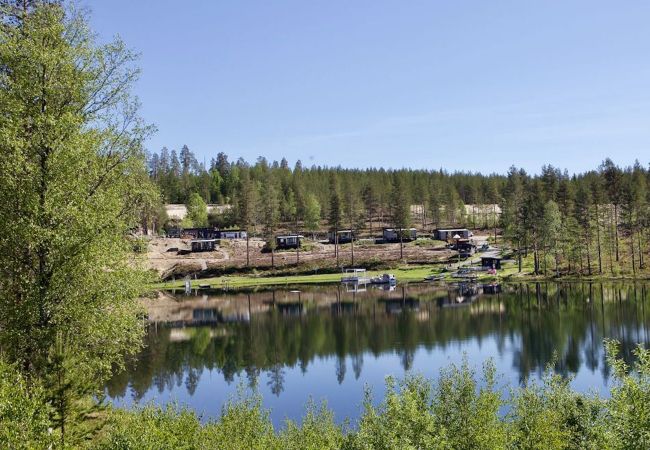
x,y
72,185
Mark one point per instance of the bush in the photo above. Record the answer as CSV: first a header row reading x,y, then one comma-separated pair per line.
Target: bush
x,y
24,414
150,427
628,409
403,420
317,431
458,411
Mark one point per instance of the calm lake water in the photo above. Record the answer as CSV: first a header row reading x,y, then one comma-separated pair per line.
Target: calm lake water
x,y
328,343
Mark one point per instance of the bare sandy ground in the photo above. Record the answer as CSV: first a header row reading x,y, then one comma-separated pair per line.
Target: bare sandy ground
x,y
167,255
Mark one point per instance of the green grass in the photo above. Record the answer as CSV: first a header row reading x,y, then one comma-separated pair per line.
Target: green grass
x,y
509,272
403,274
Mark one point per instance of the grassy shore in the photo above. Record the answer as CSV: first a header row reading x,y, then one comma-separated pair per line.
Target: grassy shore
x,y
404,274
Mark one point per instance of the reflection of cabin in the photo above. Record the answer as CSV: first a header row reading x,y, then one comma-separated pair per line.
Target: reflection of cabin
x,y
344,236
491,288
288,241
291,309
232,234
393,234
205,315
203,245
398,306
491,262
448,234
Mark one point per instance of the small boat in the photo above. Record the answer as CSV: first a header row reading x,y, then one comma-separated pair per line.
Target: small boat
x,y
357,276
434,277
387,278
204,286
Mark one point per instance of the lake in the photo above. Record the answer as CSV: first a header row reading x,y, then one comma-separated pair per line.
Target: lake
x,y
325,342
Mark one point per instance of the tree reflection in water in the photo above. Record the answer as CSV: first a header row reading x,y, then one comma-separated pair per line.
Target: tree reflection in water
x,y
255,333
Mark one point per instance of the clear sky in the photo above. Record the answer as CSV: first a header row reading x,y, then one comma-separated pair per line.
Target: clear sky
x,y
463,85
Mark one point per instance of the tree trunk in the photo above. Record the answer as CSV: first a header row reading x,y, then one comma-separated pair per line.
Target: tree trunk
x,y
494,213
600,258
616,229
588,257
272,257
297,248
632,249
352,247
401,246
336,246
248,262
640,250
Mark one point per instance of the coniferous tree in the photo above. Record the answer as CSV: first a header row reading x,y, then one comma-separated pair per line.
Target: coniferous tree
x,y
335,214
612,179
271,213
247,202
401,211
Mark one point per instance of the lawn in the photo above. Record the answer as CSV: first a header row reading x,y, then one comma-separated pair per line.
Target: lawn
x,y
403,274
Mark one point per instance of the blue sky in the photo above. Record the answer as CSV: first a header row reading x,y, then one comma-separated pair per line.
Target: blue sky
x,y
462,85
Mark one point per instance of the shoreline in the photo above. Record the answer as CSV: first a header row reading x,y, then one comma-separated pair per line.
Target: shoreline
x,y
414,274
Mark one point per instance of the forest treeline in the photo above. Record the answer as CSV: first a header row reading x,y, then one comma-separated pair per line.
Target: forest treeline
x,y
592,222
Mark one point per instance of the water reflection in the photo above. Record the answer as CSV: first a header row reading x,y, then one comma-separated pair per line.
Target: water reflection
x,y
319,339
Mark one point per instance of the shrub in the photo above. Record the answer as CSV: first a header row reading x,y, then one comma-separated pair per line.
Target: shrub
x,y
317,431
24,414
628,409
403,420
150,428
468,413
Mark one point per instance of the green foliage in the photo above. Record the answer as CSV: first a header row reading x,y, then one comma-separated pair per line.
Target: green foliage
x,y
197,211
317,431
312,213
550,415
458,411
628,412
469,414
140,244
151,428
73,185
403,420
243,424
24,414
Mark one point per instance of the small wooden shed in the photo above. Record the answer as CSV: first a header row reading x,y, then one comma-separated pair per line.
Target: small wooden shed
x,y
393,234
232,234
203,245
491,262
342,236
288,241
449,233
